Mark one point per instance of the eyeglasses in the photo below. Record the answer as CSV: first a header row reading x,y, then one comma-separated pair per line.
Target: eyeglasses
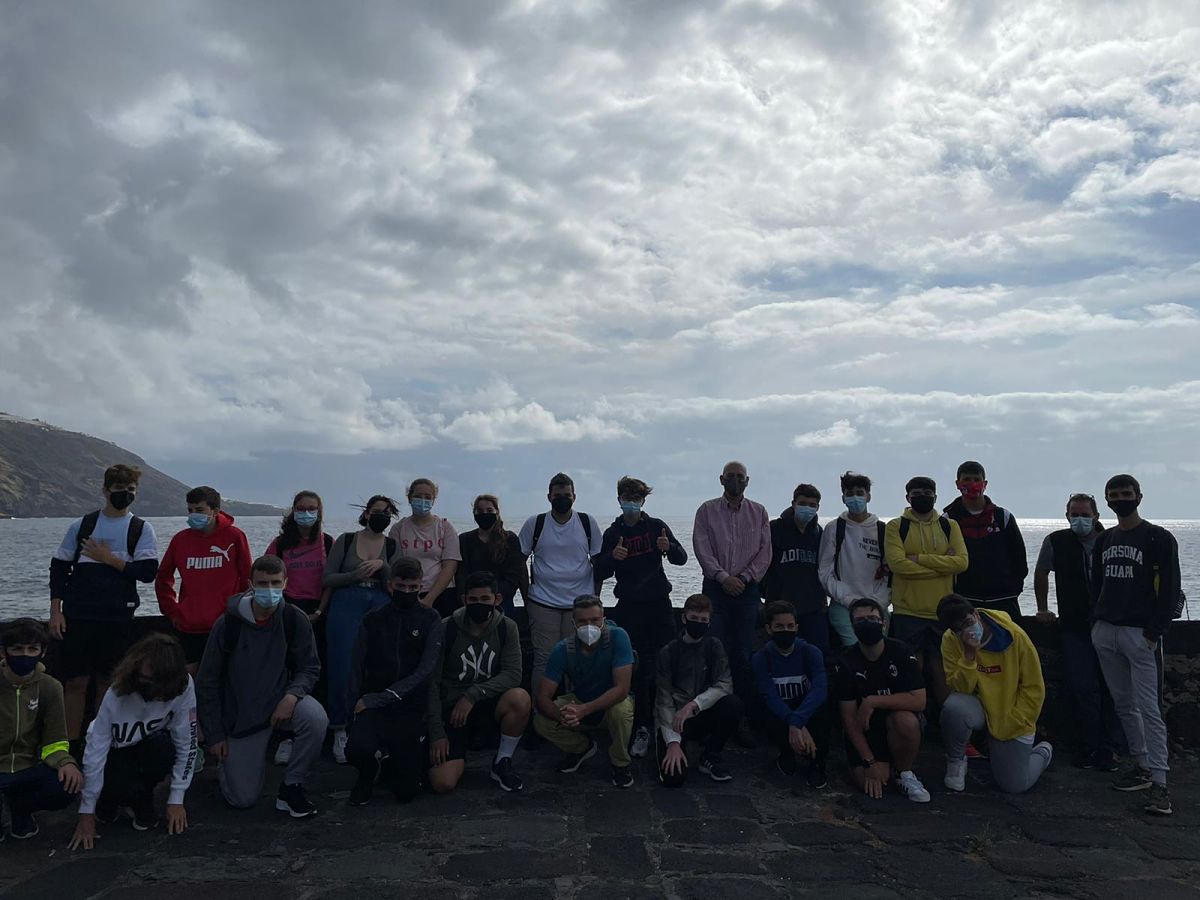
x,y
1074,497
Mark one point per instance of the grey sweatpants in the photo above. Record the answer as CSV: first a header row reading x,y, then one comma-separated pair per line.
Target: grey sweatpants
x,y
1016,765
1130,666
244,770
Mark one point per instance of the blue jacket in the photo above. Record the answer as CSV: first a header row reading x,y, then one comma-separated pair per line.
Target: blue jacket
x,y
793,686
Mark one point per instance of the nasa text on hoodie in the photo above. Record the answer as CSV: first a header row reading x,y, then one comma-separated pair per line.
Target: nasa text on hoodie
x,y
212,568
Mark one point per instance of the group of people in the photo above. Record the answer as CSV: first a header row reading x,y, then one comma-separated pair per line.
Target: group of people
x,y
406,629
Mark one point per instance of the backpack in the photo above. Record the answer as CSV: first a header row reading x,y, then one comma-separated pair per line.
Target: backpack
x,y
572,643
1180,602
840,538
389,545
233,630
88,524
539,525
906,524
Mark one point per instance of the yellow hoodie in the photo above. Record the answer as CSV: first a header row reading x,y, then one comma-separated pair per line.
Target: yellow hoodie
x,y
918,587
1009,683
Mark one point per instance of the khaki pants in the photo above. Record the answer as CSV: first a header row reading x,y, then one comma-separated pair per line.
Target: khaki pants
x,y
546,628
617,720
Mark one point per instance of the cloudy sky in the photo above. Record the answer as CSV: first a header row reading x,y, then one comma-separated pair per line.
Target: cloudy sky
x,y
279,245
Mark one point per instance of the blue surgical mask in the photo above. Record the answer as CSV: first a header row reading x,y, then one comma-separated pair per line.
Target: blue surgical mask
x,y
1082,525
856,505
975,631
630,507
421,506
197,521
803,514
305,518
268,597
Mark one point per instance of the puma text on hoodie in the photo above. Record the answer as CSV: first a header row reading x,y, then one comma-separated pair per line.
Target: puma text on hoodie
x,y
212,568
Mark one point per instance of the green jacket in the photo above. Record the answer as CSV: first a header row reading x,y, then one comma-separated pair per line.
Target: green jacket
x,y
33,725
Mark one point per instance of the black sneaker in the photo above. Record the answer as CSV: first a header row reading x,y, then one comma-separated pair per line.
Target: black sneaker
x,y
1158,803
25,826
817,779
572,761
712,767
360,794
622,777
107,811
293,801
1132,778
786,763
1104,761
503,775
144,816
1085,760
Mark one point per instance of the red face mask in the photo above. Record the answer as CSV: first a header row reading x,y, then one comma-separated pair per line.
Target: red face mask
x,y
972,491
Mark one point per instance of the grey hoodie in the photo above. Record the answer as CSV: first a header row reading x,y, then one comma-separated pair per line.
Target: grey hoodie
x,y
238,701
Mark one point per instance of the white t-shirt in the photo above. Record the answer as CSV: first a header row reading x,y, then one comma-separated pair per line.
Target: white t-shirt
x,y
562,563
114,533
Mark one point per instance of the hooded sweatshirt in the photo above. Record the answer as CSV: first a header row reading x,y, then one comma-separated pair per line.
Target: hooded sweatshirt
x,y
1008,683
640,575
125,721
477,668
860,566
395,656
918,587
33,726
996,551
792,574
687,671
212,568
236,698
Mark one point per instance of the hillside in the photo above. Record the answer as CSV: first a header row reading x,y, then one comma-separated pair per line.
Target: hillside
x,y
46,471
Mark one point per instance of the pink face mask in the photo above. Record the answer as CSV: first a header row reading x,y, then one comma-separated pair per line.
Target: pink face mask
x,y
972,491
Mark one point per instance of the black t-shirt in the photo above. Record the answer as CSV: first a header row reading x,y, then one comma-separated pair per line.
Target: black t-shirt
x,y
895,672
1136,576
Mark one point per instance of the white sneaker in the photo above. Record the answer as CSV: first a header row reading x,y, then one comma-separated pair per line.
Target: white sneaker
x,y
1045,748
956,774
641,743
912,788
339,746
283,753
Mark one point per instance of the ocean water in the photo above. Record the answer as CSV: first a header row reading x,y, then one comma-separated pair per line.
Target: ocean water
x,y
26,546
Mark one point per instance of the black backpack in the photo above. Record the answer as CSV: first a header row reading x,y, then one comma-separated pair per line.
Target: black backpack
x,y
539,525
88,524
839,538
1180,602
906,524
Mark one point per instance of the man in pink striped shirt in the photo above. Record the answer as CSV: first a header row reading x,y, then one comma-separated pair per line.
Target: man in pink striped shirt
x,y
732,542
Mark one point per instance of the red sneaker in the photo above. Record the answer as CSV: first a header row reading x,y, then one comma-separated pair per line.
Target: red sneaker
x,y
974,752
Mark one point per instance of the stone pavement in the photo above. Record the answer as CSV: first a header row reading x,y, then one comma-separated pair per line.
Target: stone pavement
x,y
759,837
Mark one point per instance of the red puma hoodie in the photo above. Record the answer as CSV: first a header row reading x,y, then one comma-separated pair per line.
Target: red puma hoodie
x,y
212,568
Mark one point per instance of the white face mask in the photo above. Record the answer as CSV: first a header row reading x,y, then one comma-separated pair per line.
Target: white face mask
x,y
589,634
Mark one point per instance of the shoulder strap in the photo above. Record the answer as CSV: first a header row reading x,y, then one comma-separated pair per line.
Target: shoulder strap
x,y
450,634
86,526
838,540
944,521
348,542
538,525
586,521
389,547
905,525
233,628
881,528
134,536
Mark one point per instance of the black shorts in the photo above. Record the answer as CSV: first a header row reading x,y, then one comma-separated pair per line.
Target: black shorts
x,y
193,645
923,635
481,724
877,738
93,647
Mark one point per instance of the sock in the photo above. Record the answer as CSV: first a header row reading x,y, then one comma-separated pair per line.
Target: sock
x,y
1159,777
508,746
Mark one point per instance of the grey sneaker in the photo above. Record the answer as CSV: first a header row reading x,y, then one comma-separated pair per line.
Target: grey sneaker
x,y
1132,778
1158,802
641,743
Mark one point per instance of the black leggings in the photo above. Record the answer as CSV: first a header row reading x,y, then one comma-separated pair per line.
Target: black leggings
x,y
711,728
132,773
400,734
651,625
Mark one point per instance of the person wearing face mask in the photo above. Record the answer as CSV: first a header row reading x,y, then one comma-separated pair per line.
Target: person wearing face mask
x,y
433,542
257,675
213,559
37,771
357,574
695,700
793,575
562,545
304,546
793,688
94,575
852,564
144,730
881,694
995,675
998,565
731,538
1068,554
594,668
634,548
477,687
924,552
492,548
1136,582
396,655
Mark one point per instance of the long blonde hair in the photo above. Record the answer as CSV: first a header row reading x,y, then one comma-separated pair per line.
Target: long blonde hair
x,y
497,540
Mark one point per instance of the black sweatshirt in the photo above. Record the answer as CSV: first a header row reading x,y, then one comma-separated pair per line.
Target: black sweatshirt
x,y
395,655
1125,567
640,575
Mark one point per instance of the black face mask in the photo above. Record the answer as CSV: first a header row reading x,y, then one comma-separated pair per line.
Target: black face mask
x,y
406,599
1124,508
561,504
378,522
784,640
479,612
921,504
121,499
143,687
695,629
868,631
485,520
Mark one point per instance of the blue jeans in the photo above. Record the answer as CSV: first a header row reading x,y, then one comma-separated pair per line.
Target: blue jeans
x,y
33,789
734,621
347,607
1096,724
